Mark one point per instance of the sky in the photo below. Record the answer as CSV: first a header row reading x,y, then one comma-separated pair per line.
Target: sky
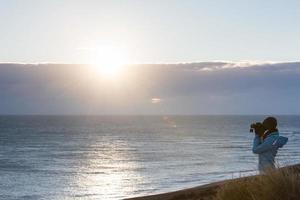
x,y
149,57
189,89
149,31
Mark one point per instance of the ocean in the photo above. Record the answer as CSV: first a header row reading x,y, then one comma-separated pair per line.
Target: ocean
x,y
115,157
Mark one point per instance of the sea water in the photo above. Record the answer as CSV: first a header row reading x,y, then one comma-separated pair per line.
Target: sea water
x,y
115,157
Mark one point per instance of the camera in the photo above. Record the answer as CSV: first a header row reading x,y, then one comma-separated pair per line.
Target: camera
x,y
258,128
255,126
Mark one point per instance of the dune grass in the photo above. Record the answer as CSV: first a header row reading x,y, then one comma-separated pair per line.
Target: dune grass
x,y
281,184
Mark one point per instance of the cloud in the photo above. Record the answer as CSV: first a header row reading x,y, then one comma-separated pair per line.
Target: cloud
x,y
186,88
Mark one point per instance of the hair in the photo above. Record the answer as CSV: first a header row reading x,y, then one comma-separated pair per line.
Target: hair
x,y
270,124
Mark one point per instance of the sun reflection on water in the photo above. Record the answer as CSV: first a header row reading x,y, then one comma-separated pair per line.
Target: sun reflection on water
x,y
109,174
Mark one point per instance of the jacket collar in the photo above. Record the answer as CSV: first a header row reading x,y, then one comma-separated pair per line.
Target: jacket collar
x,y
272,134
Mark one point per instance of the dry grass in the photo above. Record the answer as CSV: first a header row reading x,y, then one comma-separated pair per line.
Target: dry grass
x,y
274,185
280,184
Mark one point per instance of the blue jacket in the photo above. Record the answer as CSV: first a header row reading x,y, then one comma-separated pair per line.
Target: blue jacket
x,y
267,149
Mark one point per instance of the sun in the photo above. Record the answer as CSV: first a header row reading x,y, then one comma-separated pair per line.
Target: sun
x,y
109,61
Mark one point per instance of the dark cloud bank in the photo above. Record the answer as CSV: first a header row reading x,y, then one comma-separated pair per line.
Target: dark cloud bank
x,y
194,88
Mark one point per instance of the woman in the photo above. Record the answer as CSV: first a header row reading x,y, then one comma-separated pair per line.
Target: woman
x,y
267,144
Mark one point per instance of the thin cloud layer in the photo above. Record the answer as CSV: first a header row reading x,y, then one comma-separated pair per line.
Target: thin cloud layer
x,y
187,88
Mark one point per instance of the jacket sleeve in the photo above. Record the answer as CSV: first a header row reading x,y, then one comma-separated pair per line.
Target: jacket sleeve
x,y
260,147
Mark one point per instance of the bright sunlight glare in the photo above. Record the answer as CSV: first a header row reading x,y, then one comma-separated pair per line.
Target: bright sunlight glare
x,y
109,61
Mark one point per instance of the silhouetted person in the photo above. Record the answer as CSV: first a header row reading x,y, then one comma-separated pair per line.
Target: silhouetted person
x,y
266,143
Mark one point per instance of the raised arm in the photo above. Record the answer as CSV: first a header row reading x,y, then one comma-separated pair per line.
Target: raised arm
x,y
260,147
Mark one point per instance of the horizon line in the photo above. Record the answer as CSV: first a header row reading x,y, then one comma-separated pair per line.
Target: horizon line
x,y
35,114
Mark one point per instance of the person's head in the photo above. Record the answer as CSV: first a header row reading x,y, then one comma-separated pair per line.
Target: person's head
x,y
270,124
